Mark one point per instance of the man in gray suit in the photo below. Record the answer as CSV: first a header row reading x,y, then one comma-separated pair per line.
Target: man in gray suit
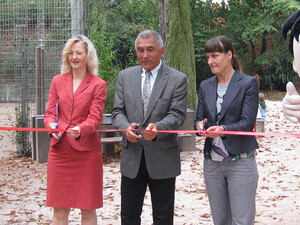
x,y
152,97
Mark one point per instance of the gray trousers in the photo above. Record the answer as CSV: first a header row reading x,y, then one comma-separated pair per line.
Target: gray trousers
x,y
231,189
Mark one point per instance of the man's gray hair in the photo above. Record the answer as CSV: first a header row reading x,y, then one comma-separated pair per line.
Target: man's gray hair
x,y
150,33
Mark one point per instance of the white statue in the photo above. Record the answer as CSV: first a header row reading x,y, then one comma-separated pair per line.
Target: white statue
x,y
291,101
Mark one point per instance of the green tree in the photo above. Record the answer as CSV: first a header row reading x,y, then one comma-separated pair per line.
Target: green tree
x,y
254,28
176,29
115,27
206,18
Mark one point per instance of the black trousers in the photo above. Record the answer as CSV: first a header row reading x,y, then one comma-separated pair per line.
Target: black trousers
x,y
133,193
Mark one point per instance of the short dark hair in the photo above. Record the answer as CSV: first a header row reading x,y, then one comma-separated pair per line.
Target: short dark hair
x,y
293,24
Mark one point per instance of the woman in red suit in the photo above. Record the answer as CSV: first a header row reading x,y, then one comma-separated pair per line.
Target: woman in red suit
x,y
76,104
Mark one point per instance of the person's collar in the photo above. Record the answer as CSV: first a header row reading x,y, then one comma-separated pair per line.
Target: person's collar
x,y
154,72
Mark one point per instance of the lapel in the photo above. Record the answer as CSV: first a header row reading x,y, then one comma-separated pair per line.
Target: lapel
x,y
136,90
211,96
232,91
84,84
69,84
158,87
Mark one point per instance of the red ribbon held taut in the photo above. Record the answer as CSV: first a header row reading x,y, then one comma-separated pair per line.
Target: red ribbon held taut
x,y
247,133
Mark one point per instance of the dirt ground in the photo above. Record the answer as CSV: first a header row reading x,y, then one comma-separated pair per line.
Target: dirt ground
x,y
23,181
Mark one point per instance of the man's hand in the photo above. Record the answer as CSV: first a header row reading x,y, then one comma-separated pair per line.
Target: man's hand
x,y
151,134
291,104
130,135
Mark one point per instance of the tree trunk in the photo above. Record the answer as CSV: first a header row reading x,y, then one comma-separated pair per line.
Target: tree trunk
x,y
176,31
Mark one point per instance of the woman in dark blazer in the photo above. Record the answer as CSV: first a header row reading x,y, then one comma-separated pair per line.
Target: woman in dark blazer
x,y
228,101
76,104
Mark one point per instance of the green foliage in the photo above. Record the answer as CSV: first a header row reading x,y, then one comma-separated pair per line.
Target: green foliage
x,y
121,21
202,69
6,19
254,29
278,74
115,25
22,137
8,67
107,69
58,19
206,18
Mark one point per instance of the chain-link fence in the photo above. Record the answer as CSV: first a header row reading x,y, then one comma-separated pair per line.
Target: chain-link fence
x,y
32,36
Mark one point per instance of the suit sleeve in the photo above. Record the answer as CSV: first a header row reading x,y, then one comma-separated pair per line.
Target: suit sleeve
x,y
50,114
249,109
119,117
94,117
177,110
200,108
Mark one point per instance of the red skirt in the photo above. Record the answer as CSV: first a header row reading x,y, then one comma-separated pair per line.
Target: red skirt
x,y
74,178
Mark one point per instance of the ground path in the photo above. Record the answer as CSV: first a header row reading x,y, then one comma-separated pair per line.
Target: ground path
x,y
23,182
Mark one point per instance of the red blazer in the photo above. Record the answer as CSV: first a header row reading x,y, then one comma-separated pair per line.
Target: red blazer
x,y
84,108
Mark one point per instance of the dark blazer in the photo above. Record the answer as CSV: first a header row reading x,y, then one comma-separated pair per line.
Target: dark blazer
x,y
238,112
84,108
166,108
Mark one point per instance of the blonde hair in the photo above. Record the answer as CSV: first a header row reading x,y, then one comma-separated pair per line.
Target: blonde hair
x,y
92,62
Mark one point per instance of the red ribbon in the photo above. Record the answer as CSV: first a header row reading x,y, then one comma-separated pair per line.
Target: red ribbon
x,y
248,133
31,129
53,130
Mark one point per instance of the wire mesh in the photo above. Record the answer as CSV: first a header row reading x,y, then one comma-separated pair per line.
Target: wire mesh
x,y
32,36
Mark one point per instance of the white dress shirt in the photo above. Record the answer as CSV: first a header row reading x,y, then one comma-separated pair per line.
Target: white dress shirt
x,y
153,76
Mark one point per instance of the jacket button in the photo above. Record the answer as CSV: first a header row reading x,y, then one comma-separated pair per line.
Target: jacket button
x,y
68,122
70,106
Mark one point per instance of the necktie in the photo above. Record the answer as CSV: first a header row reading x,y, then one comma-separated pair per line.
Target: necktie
x,y
146,91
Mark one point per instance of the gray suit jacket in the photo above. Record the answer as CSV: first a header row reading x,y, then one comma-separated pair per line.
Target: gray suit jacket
x,y
238,112
166,108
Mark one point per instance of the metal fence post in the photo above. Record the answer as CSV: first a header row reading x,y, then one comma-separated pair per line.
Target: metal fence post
x,y
39,79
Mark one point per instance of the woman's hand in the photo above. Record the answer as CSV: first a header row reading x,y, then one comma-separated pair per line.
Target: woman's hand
x,y
201,125
74,132
54,134
213,128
